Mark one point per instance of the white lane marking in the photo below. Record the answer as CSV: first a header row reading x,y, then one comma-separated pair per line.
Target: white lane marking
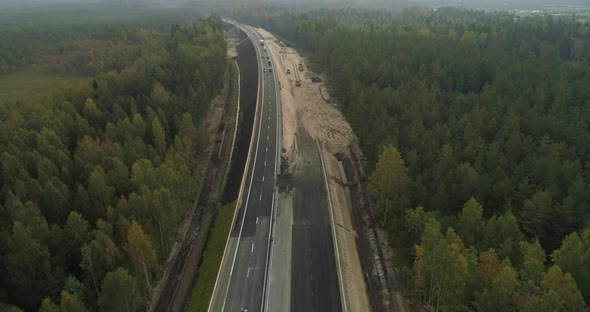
x,y
260,197
262,178
256,220
267,149
265,162
268,266
267,137
248,275
231,271
252,248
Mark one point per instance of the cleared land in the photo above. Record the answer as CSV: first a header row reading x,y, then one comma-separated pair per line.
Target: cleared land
x,y
309,110
31,86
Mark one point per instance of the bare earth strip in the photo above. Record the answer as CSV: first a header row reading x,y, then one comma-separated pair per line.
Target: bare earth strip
x,y
325,124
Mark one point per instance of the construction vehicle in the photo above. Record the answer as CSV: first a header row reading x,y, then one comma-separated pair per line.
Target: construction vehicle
x,y
316,79
261,42
300,67
298,83
288,71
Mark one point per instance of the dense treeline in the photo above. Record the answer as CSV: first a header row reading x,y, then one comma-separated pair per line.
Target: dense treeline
x,y
33,34
95,182
481,121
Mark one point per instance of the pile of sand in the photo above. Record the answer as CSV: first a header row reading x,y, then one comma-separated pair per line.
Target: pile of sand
x,y
309,105
305,104
287,100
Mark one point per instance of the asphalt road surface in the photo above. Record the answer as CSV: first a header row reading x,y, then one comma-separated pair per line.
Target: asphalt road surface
x,y
242,279
314,281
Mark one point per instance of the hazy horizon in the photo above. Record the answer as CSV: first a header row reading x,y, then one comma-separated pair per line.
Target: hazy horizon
x,y
436,3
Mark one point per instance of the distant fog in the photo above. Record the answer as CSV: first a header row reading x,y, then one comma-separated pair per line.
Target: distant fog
x,y
386,3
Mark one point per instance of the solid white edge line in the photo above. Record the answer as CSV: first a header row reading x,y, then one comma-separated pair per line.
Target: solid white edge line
x,y
343,300
278,140
236,210
267,267
249,190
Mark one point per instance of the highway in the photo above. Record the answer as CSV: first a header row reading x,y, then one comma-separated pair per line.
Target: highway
x,y
314,280
242,279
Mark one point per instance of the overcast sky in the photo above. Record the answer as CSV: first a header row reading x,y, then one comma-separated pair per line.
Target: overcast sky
x,y
469,3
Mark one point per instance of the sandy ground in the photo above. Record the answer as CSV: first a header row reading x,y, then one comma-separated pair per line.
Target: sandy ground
x,y
232,41
214,117
321,119
346,234
264,33
311,106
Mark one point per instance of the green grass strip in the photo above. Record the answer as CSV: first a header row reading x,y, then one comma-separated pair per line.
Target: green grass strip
x,y
203,290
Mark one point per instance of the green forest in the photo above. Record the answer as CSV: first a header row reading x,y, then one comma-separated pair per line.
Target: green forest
x,y
477,129
33,31
96,180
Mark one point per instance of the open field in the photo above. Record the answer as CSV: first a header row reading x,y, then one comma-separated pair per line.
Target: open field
x,y
30,86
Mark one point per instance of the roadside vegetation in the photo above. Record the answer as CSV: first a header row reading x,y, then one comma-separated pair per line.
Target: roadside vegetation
x,y
95,180
211,260
222,218
477,127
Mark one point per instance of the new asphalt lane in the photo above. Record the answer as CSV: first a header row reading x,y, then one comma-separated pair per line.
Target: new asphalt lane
x,y
314,282
242,281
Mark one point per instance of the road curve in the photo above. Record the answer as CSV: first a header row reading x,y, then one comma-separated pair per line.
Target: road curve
x,y
241,283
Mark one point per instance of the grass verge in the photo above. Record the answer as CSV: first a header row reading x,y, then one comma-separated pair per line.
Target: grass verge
x,y
201,294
